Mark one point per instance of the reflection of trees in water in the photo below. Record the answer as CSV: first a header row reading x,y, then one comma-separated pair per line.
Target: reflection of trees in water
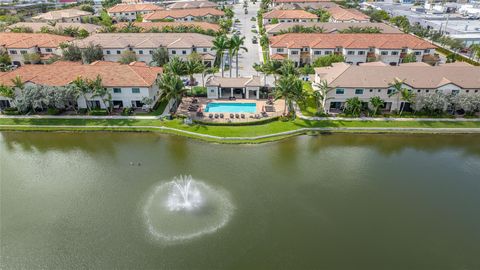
x,y
388,144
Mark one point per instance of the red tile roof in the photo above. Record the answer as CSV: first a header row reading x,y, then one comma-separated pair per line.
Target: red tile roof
x,y
160,25
352,41
29,40
182,13
133,8
342,14
289,14
63,73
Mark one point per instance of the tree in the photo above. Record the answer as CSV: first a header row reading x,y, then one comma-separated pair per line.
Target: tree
x,y
378,15
176,66
92,53
220,44
192,66
72,53
272,67
431,103
171,87
396,88
353,106
323,15
321,95
406,95
105,19
82,88
409,58
130,27
327,60
128,57
357,29
7,91
376,102
110,3
303,29
402,22
18,83
31,58
236,43
466,102
98,90
4,60
87,8
290,88
288,68
159,57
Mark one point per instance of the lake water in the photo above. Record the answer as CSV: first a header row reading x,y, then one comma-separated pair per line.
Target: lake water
x,y
74,201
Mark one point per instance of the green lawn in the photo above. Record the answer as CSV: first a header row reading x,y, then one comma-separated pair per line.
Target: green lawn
x,y
308,108
158,111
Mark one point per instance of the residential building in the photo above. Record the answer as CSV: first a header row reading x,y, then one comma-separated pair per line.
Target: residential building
x,y
185,15
276,29
306,5
288,16
280,2
38,26
192,4
356,48
241,87
339,14
374,79
19,44
128,84
143,44
62,15
129,12
147,26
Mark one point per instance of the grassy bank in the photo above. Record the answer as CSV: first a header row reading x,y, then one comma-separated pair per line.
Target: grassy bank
x,y
219,131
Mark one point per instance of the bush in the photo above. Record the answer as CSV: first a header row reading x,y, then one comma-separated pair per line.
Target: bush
x,y
11,111
53,111
82,111
199,91
98,112
127,111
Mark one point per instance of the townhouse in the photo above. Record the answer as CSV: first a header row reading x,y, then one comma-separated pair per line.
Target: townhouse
x,y
185,15
288,16
280,2
328,27
62,15
192,4
356,48
241,87
149,26
129,12
38,26
339,14
17,45
127,84
143,44
374,79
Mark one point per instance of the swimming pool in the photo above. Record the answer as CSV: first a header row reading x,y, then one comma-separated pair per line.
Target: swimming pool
x,y
231,107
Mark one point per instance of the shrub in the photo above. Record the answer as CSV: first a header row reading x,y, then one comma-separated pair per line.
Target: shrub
x,y
11,111
98,112
127,111
53,111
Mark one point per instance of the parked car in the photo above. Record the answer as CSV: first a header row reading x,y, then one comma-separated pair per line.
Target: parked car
x,y
253,26
254,40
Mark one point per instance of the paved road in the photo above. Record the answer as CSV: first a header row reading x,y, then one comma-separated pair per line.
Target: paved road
x,y
247,59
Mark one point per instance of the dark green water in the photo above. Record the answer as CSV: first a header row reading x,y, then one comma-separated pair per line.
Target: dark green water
x,y
72,201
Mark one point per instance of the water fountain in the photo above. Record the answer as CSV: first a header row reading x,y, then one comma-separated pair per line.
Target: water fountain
x,y
185,208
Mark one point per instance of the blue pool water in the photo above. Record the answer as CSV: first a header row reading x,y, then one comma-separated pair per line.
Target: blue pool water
x,y
231,107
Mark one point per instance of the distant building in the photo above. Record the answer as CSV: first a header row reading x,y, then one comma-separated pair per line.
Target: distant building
x,y
147,26
373,79
288,16
185,15
275,29
241,87
192,4
129,12
339,14
63,15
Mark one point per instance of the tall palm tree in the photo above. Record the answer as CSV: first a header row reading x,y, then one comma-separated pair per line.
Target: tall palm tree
x,y
288,68
289,88
220,44
353,106
176,66
98,90
171,87
192,66
82,88
396,88
18,83
272,67
236,42
406,95
376,103
321,95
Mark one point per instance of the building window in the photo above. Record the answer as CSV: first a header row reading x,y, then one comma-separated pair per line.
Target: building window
x,y
280,50
317,52
418,91
350,52
294,52
184,52
117,90
328,52
204,49
389,91
150,52
174,52
466,91
361,52
48,50
23,52
394,53
426,51
135,90
119,52
339,91
427,91
379,90
455,92
371,90
418,53
384,53
13,52
140,52
358,91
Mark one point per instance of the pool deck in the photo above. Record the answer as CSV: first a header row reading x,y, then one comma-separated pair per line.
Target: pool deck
x,y
261,113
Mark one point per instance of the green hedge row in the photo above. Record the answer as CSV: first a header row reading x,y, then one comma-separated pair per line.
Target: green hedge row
x,y
254,123
458,57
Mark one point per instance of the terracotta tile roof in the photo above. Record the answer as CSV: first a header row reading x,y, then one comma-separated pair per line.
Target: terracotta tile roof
x,y
233,82
299,1
29,40
330,27
277,56
133,8
37,26
342,14
192,4
62,73
61,14
369,76
289,14
160,25
352,41
147,40
305,5
182,13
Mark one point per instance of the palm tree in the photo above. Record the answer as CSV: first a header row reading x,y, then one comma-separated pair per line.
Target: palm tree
x,y
159,57
8,92
220,44
171,87
272,67
18,83
82,88
376,103
176,66
236,42
192,66
396,88
321,95
288,68
353,106
289,88
98,90
407,95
